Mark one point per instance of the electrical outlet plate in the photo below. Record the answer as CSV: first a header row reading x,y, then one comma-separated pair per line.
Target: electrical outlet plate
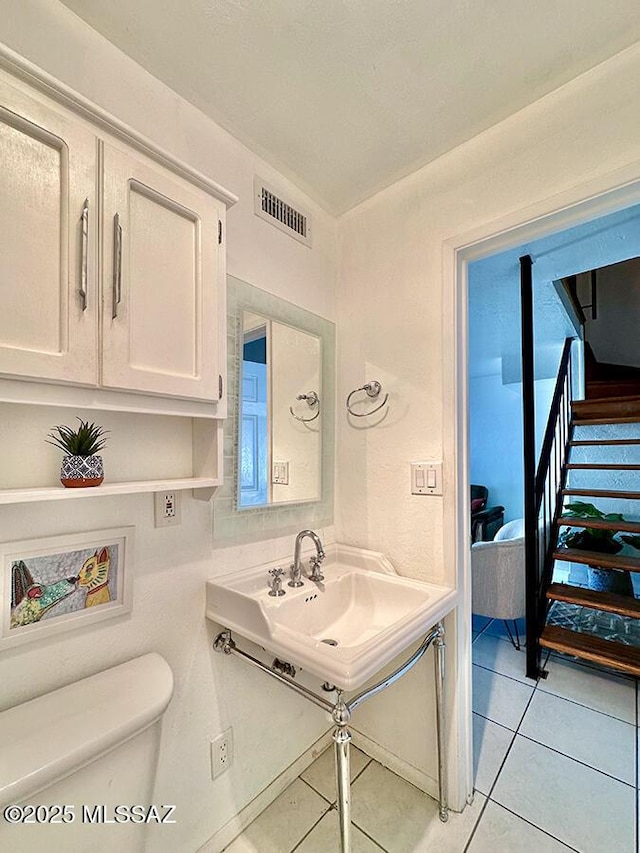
x,y
167,509
221,753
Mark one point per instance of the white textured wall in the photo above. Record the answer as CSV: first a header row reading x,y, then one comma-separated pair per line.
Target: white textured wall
x,y
170,565
391,305
390,299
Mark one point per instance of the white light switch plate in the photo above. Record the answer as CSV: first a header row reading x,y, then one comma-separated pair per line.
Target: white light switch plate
x,y
281,473
426,478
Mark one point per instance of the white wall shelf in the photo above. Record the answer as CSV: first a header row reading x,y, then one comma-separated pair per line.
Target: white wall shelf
x,y
202,486
203,475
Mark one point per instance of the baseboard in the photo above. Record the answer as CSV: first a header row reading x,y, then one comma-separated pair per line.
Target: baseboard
x,y
238,823
396,765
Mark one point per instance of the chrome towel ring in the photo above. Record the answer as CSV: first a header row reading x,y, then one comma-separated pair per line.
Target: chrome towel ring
x,y
312,401
373,390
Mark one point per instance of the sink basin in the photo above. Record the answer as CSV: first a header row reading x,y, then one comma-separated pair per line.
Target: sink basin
x,y
343,629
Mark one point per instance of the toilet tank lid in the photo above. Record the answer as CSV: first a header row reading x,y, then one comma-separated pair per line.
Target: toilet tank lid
x,y
46,739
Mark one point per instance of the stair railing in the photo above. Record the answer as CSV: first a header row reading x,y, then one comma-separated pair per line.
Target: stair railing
x,y
544,505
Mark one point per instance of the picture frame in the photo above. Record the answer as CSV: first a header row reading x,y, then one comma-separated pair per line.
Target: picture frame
x,y
58,583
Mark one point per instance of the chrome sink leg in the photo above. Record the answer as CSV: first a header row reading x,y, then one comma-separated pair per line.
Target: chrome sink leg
x,y
439,648
342,742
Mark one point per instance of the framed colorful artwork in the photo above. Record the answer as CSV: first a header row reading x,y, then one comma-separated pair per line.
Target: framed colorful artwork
x,y
63,582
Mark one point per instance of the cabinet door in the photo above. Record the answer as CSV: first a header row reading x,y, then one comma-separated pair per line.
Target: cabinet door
x,y
48,327
162,270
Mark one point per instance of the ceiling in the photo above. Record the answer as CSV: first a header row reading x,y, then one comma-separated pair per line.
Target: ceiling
x,y
347,96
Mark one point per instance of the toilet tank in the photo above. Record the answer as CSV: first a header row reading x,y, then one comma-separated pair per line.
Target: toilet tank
x,y
90,747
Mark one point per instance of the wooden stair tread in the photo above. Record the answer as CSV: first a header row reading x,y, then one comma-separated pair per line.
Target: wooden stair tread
x,y
600,442
586,646
603,493
629,419
611,391
602,466
600,524
624,605
600,561
626,399
617,375
599,388
629,380
606,410
606,371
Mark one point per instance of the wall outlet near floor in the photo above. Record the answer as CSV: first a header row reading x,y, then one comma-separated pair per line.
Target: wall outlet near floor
x,y
221,753
167,508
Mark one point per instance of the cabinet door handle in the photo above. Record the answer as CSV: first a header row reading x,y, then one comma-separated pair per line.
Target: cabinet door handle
x,y
117,265
84,247
219,386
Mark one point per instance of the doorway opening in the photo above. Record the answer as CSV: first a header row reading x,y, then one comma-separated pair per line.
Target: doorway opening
x,y
563,265
592,217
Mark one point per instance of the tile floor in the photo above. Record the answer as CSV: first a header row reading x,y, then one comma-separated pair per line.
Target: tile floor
x,y
556,770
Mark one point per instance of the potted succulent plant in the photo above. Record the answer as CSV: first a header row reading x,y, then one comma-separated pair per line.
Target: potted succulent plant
x,y
597,539
81,465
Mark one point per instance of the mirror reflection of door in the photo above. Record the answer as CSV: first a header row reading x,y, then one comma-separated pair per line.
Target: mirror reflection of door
x,y
254,439
280,425
295,426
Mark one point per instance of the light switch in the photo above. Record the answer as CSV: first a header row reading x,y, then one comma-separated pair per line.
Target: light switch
x,y
280,473
426,478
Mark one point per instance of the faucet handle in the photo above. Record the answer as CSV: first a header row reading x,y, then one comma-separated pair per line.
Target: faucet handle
x,y
276,583
316,571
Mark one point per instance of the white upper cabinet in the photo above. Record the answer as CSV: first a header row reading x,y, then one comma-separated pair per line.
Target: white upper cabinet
x,y
48,229
160,283
112,271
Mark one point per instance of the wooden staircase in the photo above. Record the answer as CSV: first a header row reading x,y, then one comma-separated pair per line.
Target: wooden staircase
x,y
584,607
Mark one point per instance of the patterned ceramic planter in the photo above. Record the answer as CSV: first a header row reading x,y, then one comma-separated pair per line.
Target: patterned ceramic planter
x,y
78,472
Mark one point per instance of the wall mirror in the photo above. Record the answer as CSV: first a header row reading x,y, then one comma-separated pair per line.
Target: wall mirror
x,y
279,434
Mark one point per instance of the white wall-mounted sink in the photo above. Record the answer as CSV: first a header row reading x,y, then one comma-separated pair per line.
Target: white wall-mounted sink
x,y
343,629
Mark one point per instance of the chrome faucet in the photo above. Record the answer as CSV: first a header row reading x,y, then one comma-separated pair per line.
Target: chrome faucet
x,y
296,566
